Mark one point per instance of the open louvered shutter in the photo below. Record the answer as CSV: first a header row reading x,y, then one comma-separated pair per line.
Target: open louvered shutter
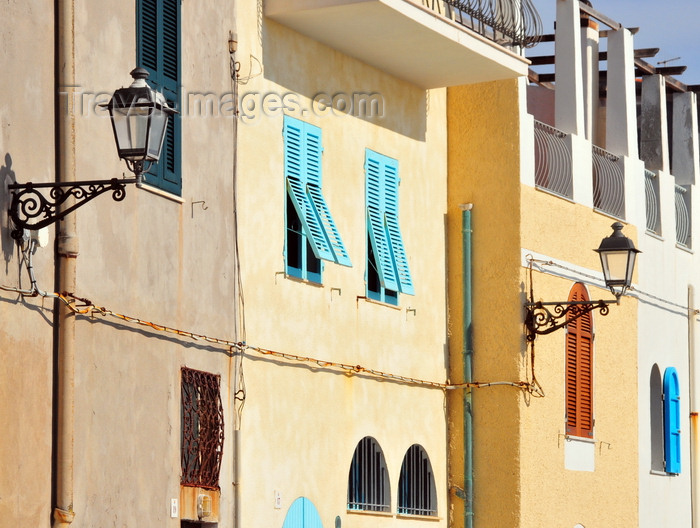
x,y
376,196
302,168
391,179
158,51
579,370
672,421
382,174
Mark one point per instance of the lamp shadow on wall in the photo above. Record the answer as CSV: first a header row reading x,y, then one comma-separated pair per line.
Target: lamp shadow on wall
x,y
7,177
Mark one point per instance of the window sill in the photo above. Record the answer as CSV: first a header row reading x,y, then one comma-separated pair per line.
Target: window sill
x,y
299,280
662,473
380,303
159,192
572,438
370,513
431,518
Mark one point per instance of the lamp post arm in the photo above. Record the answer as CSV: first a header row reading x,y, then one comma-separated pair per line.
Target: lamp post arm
x,y
541,320
32,209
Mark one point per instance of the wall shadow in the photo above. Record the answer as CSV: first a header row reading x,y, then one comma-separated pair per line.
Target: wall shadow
x,y
343,88
7,177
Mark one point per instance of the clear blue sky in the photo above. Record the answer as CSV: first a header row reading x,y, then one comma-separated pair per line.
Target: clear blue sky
x,y
671,26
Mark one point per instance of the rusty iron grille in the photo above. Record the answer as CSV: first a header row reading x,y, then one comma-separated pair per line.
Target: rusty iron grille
x,y
202,429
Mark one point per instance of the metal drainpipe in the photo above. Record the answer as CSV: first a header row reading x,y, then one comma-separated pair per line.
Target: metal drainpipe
x,y
467,353
693,378
67,252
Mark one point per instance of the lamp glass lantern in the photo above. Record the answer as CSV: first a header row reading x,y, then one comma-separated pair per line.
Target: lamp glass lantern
x,y
139,120
617,257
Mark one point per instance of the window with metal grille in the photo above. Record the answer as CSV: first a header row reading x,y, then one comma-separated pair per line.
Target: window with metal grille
x,y
202,429
417,495
368,481
579,370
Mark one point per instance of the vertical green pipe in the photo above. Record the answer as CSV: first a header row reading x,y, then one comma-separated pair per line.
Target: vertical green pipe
x,y
467,353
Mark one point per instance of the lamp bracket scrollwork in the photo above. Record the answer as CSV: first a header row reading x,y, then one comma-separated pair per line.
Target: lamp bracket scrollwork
x,y
33,209
541,319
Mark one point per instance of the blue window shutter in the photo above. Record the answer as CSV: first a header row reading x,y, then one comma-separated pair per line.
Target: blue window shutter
x,y
383,222
672,421
376,198
391,171
158,50
302,168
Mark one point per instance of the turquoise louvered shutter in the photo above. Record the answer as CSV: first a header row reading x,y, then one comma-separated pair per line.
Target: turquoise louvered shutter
x,y
383,222
672,421
391,172
302,514
376,197
303,173
158,51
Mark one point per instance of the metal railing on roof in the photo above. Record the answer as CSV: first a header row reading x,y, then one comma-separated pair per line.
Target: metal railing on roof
x,y
683,232
552,160
651,193
508,22
608,183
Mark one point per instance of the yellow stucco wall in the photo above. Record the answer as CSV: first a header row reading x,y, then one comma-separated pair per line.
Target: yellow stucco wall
x,y
568,232
483,161
301,423
520,478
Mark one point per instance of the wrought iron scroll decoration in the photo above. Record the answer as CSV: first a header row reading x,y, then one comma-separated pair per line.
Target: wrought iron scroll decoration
x,y
32,209
541,320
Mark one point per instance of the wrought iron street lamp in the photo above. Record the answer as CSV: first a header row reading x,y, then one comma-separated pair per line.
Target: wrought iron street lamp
x,y
617,258
139,118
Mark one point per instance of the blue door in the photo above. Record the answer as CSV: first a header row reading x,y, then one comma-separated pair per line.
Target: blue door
x,y
302,514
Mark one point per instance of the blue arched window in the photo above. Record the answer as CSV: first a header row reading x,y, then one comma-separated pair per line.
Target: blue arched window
x,y
672,421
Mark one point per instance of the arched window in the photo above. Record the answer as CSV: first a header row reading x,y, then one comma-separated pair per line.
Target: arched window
x,y
579,370
417,494
656,422
368,481
672,421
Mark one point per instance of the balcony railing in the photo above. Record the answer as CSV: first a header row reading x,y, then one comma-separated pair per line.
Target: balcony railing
x,y
683,232
552,160
608,183
651,191
508,22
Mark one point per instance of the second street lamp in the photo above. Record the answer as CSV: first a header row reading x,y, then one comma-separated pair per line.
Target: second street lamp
x,y
617,258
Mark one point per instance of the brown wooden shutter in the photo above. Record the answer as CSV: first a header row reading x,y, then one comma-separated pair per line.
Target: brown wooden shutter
x,y
579,370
